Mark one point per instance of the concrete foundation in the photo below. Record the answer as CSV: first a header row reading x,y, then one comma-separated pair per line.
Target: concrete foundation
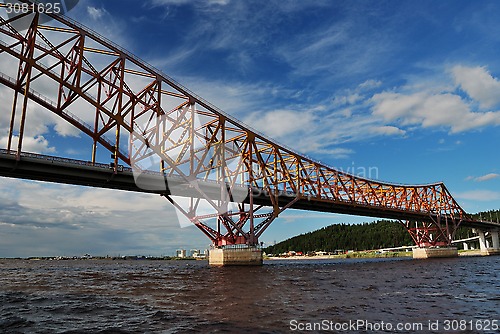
x,y
495,240
484,245
427,253
490,251
247,256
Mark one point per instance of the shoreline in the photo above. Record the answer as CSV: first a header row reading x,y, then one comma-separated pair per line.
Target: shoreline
x,y
355,255
363,255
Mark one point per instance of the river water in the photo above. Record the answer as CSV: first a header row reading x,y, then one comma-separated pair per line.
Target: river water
x,y
460,295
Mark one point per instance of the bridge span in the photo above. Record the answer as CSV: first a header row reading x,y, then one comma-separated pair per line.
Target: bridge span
x,y
165,139
85,173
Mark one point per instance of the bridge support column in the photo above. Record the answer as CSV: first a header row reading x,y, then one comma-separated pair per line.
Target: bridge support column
x,y
495,240
485,245
236,246
482,242
235,255
432,238
431,252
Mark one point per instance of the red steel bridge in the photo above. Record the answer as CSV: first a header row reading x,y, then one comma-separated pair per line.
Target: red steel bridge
x,y
164,139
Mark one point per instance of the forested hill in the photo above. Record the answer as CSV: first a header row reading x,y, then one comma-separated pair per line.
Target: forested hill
x,y
375,235
379,234
492,215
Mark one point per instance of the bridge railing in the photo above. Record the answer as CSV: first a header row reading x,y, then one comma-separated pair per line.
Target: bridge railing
x,y
54,159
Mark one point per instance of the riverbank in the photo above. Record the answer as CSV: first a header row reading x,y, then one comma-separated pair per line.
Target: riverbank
x,y
352,255
364,255
104,258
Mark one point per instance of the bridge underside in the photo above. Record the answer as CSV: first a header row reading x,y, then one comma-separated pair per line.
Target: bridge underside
x,y
422,226
77,172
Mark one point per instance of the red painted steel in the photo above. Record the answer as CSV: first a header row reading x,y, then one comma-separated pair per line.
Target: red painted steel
x,y
139,114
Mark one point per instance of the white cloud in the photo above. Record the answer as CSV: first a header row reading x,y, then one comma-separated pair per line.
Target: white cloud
x,y
97,221
388,130
431,110
479,195
38,124
37,144
339,153
370,84
280,123
479,84
185,2
96,13
483,178
347,99
355,96
65,129
487,177
219,2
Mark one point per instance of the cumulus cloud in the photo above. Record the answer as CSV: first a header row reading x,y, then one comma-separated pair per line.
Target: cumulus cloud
x,y
479,84
37,144
280,123
431,110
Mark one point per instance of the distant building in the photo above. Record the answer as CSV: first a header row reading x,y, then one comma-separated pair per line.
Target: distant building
x,y
180,253
194,252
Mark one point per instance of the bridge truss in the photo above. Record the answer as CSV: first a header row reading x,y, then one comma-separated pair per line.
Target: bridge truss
x,y
149,122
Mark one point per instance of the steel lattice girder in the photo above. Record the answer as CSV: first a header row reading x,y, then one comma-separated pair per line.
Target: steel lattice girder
x,y
138,113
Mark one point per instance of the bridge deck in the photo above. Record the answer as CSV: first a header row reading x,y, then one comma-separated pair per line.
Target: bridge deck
x,y
78,172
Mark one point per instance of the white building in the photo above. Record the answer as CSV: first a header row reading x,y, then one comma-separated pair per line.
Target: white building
x,y
180,253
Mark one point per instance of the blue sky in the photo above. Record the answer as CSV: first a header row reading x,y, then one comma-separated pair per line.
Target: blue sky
x,y
408,90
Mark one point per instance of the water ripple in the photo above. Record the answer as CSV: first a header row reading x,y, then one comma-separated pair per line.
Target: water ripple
x,y
191,297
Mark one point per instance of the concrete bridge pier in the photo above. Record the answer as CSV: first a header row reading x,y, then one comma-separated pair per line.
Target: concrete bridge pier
x,y
495,240
434,252
235,255
484,244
